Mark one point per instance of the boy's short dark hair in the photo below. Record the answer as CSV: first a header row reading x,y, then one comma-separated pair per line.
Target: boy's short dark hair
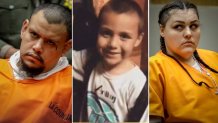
x,y
123,6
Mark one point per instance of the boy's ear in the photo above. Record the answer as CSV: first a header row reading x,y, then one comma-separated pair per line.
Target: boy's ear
x,y
67,46
24,27
139,40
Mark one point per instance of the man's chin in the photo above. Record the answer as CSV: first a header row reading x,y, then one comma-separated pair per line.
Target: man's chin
x,y
31,69
32,65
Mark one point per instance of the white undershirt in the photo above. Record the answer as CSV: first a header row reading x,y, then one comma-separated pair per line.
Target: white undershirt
x,y
197,66
62,63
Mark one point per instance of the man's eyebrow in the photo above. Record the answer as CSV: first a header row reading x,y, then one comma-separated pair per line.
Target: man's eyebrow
x,y
33,30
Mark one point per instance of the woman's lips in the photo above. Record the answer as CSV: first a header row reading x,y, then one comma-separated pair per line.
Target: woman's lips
x,y
189,43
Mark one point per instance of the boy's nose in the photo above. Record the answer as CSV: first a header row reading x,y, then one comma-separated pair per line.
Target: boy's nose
x,y
113,42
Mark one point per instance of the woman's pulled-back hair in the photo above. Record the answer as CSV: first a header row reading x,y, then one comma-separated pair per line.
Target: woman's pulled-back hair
x,y
165,14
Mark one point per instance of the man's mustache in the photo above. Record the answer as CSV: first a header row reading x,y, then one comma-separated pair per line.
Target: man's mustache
x,y
36,56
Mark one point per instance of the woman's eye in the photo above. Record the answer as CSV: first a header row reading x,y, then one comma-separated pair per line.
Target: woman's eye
x,y
194,26
179,27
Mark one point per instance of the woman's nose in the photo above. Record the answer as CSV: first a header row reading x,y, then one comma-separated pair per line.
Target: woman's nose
x,y
187,33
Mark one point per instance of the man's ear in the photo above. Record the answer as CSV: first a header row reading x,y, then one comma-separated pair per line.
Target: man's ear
x,y
24,27
67,46
139,40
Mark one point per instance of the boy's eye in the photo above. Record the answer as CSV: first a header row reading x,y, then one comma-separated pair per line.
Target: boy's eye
x,y
106,33
124,36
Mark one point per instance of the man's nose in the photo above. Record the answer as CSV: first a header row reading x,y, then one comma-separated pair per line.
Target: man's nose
x,y
38,46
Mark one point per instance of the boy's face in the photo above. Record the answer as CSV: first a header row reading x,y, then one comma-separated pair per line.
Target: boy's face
x,y
117,37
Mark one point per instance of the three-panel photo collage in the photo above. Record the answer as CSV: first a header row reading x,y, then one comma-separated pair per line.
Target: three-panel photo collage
x,y
108,61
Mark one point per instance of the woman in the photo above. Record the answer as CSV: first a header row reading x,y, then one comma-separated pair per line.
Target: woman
x,y
183,79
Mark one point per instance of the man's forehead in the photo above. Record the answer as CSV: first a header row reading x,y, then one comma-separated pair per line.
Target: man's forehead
x,y
38,13
49,31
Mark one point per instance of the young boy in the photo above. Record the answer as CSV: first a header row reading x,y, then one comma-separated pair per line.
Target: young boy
x,y
114,82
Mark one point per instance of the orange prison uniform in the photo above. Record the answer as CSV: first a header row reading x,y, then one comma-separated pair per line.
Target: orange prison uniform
x,y
175,97
35,101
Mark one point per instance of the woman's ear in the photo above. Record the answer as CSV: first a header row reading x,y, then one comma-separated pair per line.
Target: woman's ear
x,y
24,27
139,40
161,30
67,46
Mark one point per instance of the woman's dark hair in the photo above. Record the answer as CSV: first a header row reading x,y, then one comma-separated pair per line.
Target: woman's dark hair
x,y
164,15
123,6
